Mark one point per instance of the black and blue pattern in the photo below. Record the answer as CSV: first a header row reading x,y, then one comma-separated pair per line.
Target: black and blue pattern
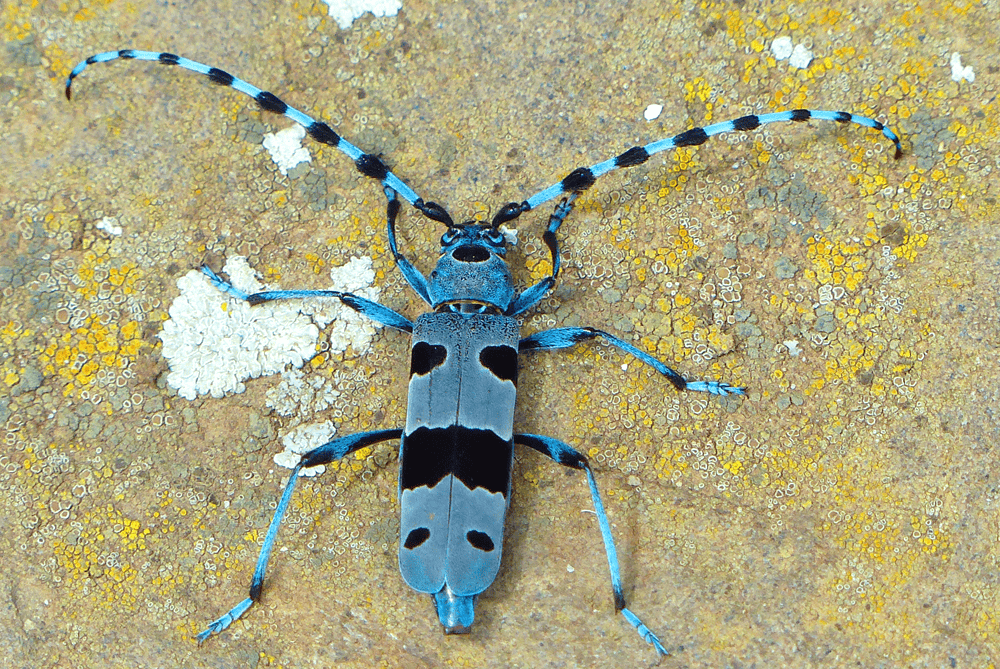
x,y
457,444
369,165
575,182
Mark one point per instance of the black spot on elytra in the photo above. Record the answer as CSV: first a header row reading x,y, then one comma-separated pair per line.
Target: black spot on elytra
x,y
501,360
416,537
480,540
426,357
477,458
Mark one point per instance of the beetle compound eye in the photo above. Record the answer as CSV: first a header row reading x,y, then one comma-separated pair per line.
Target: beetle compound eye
x,y
493,236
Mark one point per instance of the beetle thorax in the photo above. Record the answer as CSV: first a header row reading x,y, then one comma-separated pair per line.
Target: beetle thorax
x,y
471,271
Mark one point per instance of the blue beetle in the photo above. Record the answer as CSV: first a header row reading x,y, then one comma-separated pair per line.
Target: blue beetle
x,y
457,446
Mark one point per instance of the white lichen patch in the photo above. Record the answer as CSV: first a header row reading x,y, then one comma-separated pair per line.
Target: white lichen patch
x,y
285,147
798,56
214,342
793,347
781,48
801,57
652,112
509,234
345,12
958,72
349,328
109,225
300,395
301,440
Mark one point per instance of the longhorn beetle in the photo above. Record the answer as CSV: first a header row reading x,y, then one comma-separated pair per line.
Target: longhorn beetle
x,y
457,446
